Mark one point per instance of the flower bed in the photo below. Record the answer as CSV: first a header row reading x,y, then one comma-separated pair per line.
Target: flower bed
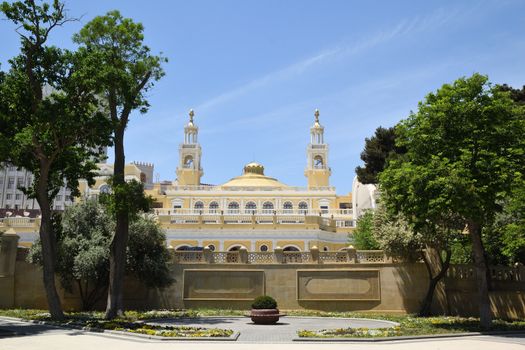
x,y
155,330
131,322
415,326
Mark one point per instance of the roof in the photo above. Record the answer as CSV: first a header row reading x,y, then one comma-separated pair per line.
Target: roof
x,y
253,176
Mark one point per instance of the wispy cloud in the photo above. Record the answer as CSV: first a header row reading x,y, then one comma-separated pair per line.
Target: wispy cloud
x,y
403,28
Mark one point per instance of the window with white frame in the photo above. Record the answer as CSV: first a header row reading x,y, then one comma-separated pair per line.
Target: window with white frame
x,y
267,208
214,207
233,208
288,207
250,208
303,208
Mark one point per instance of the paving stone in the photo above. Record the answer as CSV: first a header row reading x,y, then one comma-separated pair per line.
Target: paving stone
x,y
282,332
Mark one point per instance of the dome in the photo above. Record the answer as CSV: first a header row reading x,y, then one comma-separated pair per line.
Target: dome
x,y
253,176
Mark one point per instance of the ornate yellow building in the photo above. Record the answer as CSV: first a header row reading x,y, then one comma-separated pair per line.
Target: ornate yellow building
x,y
252,211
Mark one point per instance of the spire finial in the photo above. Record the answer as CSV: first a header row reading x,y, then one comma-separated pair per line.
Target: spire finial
x,y
316,113
191,115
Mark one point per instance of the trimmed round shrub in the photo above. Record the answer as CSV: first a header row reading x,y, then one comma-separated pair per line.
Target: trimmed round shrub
x,y
264,302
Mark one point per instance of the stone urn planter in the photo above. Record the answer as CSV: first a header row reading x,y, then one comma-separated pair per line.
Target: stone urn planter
x,y
265,311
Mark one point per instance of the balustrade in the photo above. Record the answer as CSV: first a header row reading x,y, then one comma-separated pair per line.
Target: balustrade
x,y
370,256
333,257
350,256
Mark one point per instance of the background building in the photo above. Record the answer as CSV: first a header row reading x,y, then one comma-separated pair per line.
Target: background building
x,y
15,201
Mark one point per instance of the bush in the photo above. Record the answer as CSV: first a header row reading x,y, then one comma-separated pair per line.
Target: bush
x,y
264,302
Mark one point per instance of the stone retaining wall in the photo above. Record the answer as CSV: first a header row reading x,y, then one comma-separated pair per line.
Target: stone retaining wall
x,y
348,281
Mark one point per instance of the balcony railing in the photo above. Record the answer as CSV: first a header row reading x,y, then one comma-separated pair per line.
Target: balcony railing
x,y
245,188
314,256
344,213
19,222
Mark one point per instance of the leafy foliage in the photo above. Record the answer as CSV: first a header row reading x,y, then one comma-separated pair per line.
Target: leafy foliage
x,y
465,148
50,120
127,71
396,236
378,149
127,198
147,256
504,240
363,235
84,238
264,302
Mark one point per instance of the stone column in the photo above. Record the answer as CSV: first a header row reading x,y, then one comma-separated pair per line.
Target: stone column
x,y
352,254
315,255
8,248
278,251
208,255
243,255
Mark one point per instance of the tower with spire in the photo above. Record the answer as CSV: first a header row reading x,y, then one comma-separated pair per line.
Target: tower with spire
x,y
189,171
317,171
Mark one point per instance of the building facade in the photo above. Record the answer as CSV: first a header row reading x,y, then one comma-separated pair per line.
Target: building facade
x,y
253,211
14,201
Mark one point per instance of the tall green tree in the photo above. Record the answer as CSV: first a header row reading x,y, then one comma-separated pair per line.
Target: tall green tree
x,y
50,120
127,70
465,147
378,149
84,235
363,235
432,244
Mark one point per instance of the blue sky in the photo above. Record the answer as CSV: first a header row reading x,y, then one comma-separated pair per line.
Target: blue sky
x,y
254,71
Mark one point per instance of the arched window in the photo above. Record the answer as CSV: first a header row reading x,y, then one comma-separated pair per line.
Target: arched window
x,y
303,208
198,206
104,189
214,207
188,162
212,247
250,208
267,208
233,208
143,178
288,207
318,162
290,248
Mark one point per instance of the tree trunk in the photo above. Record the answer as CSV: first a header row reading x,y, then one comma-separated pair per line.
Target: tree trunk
x,y
48,240
433,280
117,257
480,264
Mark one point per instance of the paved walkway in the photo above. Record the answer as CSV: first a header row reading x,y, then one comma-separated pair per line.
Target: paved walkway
x,y
282,332
44,337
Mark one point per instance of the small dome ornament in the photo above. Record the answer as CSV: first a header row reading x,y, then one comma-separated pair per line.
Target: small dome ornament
x,y
317,125
191,114
254,168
